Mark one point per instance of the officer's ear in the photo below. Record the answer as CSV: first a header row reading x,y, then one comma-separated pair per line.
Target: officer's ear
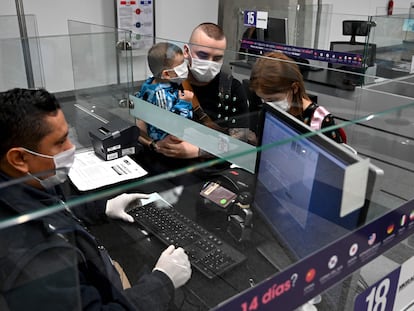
x,y
17,158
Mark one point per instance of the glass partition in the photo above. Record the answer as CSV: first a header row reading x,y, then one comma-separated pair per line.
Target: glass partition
x,y
10,26
21,62
307,185
102,65
395,45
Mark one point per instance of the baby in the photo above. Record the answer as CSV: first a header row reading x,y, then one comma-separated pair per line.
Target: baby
x,y
163,89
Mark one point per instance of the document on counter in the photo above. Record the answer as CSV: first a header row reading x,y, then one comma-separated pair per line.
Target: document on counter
x,y
91,172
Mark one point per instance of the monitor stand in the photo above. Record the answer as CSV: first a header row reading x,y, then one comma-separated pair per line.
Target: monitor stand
x,y
275,254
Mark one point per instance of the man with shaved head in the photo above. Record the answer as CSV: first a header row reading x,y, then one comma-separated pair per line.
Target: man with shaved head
x,y
222,98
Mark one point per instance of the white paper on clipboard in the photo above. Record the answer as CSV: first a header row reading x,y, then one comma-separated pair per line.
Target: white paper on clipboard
x,y
91,172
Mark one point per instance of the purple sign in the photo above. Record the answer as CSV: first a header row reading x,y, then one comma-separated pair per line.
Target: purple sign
x,y
298,284
342,58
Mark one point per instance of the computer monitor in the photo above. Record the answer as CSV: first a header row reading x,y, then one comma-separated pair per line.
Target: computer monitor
x,y
299,186
276,31
355,28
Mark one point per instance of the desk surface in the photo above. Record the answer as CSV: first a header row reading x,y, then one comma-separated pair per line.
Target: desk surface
x,y
137,252
134,250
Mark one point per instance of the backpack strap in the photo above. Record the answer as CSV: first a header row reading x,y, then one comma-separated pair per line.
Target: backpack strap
x,y
318,114
317,117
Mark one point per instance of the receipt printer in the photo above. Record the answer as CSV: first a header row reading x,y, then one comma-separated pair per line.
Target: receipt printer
x,y
115,139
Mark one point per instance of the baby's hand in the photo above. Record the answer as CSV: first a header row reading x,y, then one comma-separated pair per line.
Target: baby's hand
x,y
186,95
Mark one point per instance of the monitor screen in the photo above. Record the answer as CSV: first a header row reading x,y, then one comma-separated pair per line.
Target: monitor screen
x,y
299,186
276,32
356,28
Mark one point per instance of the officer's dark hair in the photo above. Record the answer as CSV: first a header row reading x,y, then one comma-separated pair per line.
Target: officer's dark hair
x,y
22,114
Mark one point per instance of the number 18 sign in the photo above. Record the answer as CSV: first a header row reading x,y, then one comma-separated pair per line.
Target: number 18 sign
x,y
256,19
391,293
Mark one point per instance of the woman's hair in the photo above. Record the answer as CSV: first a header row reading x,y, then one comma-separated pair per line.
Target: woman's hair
x,y
22,114
277,73
161,56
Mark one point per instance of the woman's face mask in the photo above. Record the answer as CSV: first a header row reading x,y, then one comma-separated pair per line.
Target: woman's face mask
x,y
282,104
204,70
63,162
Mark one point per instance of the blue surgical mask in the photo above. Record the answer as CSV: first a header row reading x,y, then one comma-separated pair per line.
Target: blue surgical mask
x,y
63,162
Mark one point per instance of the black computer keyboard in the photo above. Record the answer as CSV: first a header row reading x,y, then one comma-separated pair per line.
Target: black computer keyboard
x,y
207,253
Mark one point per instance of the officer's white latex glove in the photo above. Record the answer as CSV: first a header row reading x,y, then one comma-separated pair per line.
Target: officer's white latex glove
x,y
175,264
115,208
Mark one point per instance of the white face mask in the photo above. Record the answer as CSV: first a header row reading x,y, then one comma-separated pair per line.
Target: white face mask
x,y
63,162
204,70
281,104
181,72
